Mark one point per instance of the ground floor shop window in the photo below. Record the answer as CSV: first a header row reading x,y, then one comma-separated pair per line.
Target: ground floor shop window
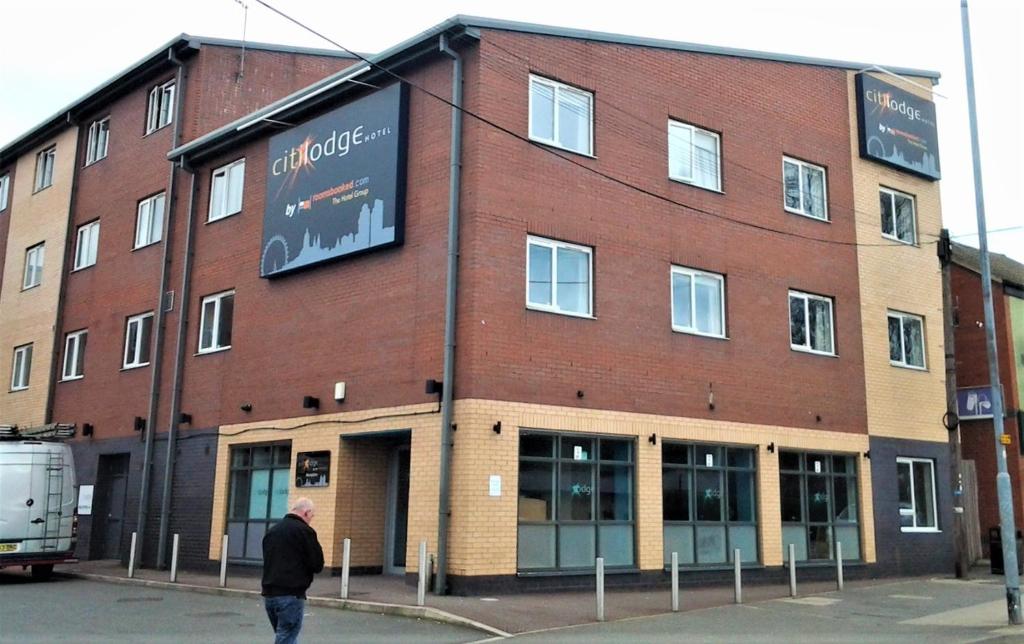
x,y
819,505
709,505
576,499
258,497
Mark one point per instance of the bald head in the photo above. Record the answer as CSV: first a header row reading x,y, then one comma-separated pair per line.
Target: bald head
x,y
303,508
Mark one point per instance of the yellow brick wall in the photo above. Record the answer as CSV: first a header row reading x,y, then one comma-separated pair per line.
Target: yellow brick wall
x,y
30,316
902,403
484,528
352,505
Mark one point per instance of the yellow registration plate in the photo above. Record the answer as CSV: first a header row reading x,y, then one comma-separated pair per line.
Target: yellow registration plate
x,y
8,547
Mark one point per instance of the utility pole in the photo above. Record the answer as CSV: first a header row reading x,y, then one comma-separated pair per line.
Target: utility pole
x,y
962,563
1007,525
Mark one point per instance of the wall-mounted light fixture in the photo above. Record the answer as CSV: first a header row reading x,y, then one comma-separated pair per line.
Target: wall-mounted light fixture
x,y
185,419
434,387
339,392
579,393
771,447
310,402
140,423
497,427
653,439
87,429
246,407
817,418
711,396
867,455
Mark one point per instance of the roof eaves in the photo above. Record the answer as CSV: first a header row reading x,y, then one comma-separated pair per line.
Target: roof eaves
x,y
198,41
598,36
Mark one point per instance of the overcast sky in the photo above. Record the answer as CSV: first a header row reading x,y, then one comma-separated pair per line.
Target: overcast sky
x,y
53,52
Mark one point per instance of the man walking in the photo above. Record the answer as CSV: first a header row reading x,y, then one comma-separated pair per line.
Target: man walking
x,y
291,556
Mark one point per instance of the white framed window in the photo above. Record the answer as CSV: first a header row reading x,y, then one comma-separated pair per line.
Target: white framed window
x,y
226,190
74,355
5,191
96,146
149,222
87,245
218,312
698,302
44,167
811,323
21,369
160,111
561,115
559,277
694,156
906,340
805,189
136,340
899,220
33,266
916,480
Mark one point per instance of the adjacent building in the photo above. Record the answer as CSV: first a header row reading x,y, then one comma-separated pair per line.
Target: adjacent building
x,y
974,390
691,315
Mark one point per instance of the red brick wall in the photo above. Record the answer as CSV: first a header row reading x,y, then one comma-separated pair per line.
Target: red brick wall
x,y
978,441
125,282
628,358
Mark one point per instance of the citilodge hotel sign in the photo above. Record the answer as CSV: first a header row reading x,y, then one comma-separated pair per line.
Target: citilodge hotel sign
x,y
896,127
336,184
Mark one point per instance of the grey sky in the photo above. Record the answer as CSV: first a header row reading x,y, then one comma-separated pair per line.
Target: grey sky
x,y
53,52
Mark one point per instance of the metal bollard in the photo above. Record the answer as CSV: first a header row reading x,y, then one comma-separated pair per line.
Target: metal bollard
x,y
421,587
131,556
224,562
346,557
839,565
174,559
792,570
675,582
600,589
736,564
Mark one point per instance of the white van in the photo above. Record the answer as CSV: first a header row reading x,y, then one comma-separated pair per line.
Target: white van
x,y
38,498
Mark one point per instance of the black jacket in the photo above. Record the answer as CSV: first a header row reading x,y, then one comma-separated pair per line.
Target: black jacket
x,y
291,556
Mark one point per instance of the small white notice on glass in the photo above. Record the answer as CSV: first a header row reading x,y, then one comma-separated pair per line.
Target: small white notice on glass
x,y
84,500
817,467
494,489
577,453
709,460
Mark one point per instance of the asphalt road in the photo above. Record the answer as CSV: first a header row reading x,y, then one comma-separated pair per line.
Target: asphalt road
x,y
78,610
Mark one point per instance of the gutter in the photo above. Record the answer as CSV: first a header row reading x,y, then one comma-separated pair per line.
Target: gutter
x,y
454,187
160,322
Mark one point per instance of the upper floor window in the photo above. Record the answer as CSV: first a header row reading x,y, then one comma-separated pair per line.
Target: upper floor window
x,y
136,340
149,222
811,323
906,340
916,481
87,244
698,302
5,190
44,167
21,369
561,115
226,190
898,219
99,134
218,311
74,355
805,189
558,277
693,156
161,106
33,266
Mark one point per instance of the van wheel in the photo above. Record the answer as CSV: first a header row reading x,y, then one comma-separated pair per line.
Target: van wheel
x,y
42,572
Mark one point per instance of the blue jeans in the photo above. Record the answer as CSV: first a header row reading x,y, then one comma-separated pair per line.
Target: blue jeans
x,y
285,615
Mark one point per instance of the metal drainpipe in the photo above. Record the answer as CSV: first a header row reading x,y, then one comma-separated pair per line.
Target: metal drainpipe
x,y
158,330
455,179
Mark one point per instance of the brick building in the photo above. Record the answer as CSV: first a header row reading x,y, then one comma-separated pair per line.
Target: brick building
x,y
972,376
98,214
672,328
